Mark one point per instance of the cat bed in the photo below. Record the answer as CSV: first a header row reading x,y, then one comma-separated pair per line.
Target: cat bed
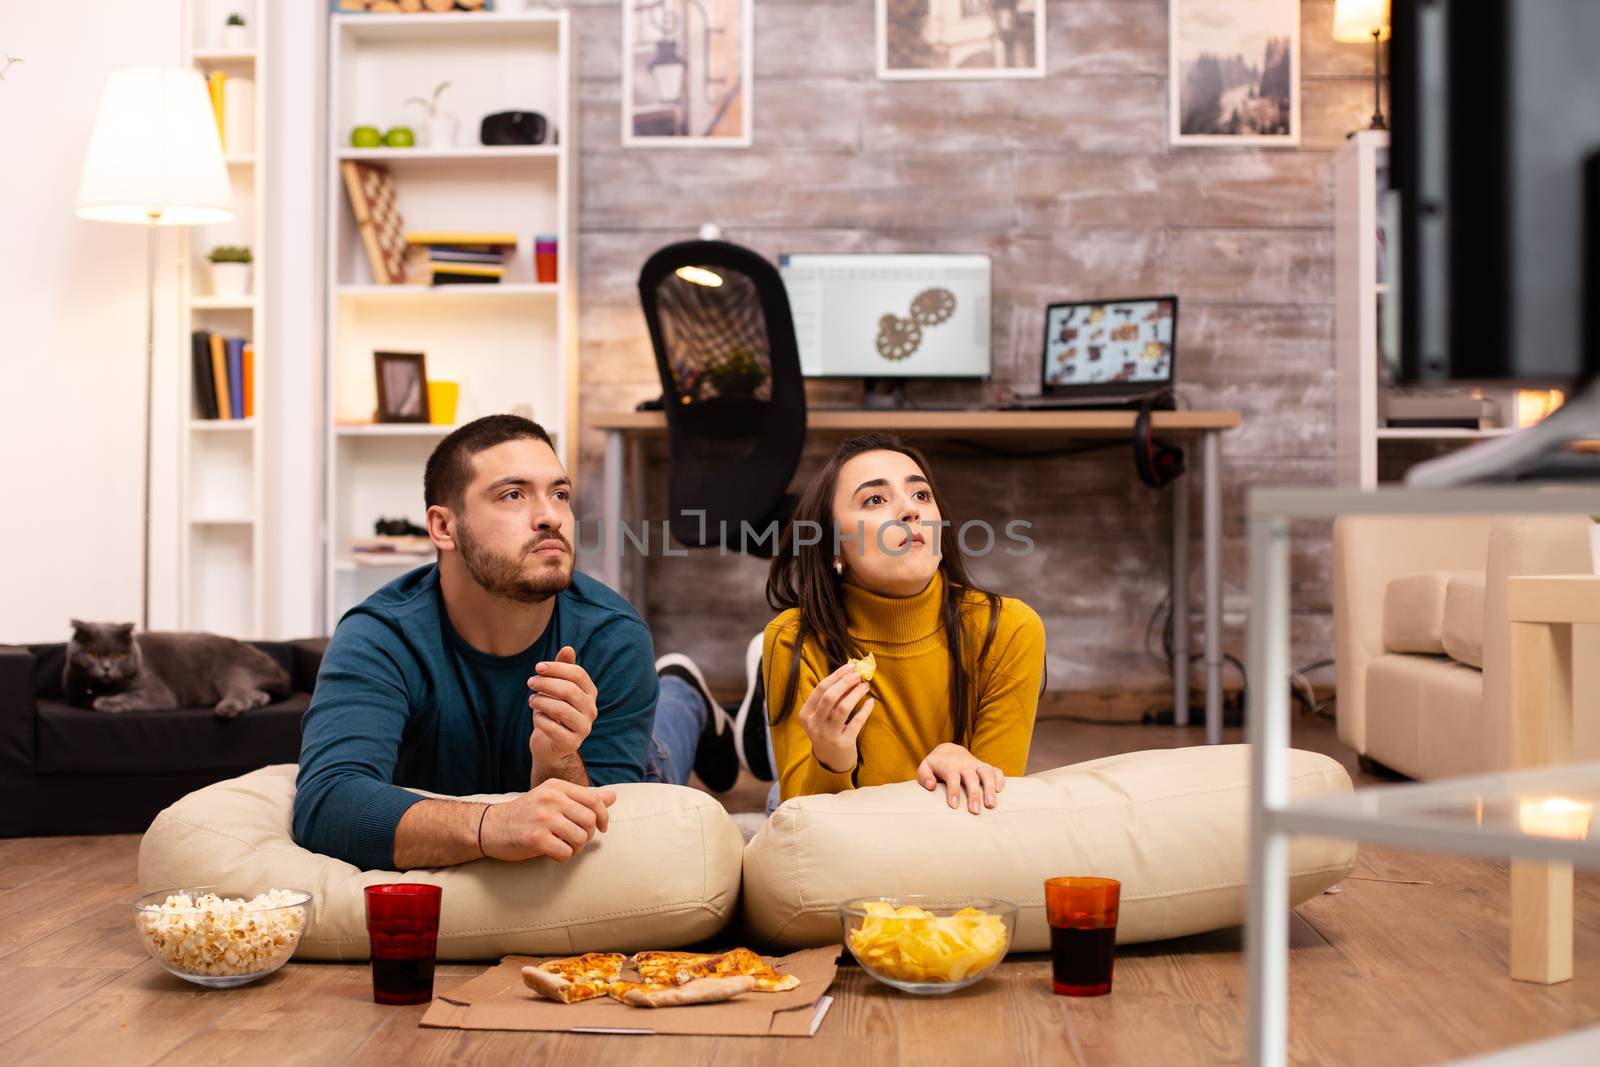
x,y
665,874
1170,824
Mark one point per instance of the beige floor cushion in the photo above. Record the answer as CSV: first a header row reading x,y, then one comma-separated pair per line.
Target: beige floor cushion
x,y
665,874
1171,824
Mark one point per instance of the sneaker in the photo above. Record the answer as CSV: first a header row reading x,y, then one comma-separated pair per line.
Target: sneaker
x,y
715,759
750,721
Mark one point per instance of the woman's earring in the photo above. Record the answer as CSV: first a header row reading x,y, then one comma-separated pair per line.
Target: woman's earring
x,y
838,567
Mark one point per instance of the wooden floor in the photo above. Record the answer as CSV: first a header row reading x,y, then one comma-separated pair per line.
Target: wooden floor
x,y
1406,965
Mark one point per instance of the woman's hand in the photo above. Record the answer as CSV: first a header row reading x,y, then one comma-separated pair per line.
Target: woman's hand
x,y
961,771
827,720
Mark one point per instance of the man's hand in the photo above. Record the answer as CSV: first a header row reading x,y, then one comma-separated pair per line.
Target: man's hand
x,y
961,772
831,720
564,710
554,819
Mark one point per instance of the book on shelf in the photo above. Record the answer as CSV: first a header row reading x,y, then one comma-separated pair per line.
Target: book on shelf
x,y
239,115
249,357
452,254
468,238
224,376
219,375
235,349
205,390
422,268
215,82
446,277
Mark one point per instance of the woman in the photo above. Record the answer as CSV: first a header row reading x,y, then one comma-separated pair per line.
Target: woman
x,y
957,669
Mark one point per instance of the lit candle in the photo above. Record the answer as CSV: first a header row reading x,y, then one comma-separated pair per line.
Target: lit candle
x,y
1555,817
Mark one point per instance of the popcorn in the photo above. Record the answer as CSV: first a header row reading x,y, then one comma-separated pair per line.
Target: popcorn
x,y
212,935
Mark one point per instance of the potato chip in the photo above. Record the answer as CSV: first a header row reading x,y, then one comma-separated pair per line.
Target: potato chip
x,y
865,667
915,945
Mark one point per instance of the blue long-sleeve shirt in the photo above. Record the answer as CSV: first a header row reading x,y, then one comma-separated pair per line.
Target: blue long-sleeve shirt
x,y
403,700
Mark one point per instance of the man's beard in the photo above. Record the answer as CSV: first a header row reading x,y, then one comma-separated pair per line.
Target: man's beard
x,y
503,576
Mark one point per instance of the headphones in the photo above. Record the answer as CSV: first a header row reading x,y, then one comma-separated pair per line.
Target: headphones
x,y
1157,462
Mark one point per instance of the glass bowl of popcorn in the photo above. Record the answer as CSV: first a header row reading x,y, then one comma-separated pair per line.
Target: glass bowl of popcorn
x,y
220,939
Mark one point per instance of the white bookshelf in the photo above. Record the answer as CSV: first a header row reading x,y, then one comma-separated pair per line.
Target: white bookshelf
x,y
511,346
1363,283
222,497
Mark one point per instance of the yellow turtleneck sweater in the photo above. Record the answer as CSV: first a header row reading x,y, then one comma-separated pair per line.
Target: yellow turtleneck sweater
x,y
911,687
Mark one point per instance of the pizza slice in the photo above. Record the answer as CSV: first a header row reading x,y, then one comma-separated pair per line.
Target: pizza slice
x,y
739,961
661,968
711,990
576,977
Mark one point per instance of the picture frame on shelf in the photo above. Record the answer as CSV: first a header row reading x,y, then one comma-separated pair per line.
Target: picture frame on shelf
x,y
402,386
1234,72
939,40
687,79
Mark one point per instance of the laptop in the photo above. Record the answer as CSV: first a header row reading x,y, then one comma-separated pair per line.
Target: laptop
x,y
1106,353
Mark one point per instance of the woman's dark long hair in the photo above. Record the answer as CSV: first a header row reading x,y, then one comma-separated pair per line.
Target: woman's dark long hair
x,y
803,577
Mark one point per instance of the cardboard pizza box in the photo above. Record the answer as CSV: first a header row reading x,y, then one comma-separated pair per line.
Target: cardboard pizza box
x,y
498,1000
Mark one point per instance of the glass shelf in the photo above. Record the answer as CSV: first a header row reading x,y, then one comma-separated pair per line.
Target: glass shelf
x,y
1546,813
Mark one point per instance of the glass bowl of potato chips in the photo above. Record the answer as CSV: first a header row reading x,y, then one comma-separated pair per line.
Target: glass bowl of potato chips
x,y
928,945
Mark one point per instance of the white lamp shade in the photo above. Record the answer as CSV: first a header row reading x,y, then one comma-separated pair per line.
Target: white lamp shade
x,y
1355,20
155,153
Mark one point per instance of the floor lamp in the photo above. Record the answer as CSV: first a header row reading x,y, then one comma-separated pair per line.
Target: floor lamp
x,y
155,159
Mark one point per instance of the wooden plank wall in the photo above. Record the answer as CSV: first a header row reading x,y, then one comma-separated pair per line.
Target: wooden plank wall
x,y
1069,184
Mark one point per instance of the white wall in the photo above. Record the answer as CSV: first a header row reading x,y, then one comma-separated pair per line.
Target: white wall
x,y
72,347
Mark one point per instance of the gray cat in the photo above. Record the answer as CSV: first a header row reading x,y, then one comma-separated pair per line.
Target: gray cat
x,y
111,669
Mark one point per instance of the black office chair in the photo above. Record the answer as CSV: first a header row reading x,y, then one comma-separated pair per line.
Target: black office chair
x,y
731,389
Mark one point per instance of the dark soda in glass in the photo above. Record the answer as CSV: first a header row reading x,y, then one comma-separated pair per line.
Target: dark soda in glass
x,y
402,980
1082,913
1081,960
403,924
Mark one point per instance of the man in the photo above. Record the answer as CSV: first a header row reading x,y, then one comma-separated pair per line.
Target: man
x,y
497,669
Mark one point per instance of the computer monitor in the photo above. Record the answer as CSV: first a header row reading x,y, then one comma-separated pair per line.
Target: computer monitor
x,y
1496,130
890,316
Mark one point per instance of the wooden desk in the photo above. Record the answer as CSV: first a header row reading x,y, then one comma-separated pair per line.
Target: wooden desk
x,y
1549,706
625,433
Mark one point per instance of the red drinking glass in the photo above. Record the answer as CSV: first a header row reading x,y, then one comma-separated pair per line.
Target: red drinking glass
x,y
403,923
1082,913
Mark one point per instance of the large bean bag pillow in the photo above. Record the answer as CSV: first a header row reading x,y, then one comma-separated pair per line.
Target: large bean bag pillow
x,y
1172,825
665,874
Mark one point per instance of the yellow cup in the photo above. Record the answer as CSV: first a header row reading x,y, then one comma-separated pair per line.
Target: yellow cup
x,y
442,397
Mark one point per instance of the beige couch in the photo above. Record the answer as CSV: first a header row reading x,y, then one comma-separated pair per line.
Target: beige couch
x,y
1421,640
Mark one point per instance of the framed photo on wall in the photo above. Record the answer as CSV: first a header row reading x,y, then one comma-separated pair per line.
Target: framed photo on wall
x,y
365,7
402,386
1234,72
922,40
687,73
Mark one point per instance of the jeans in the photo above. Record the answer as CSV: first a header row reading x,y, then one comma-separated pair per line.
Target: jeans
x,y
772,761
680,719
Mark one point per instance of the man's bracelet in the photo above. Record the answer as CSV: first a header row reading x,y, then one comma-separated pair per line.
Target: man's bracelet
x,y
485,815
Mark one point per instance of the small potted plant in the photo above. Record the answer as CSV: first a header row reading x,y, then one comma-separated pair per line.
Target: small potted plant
x,y
230,270
441,128
739,374
234,35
